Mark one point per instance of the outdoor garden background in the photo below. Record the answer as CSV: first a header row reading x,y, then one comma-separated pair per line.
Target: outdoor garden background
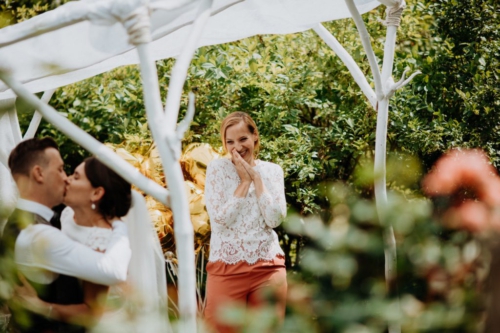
x,y
315,122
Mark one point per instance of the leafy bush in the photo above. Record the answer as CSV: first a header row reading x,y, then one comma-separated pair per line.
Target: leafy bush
x,y
315,122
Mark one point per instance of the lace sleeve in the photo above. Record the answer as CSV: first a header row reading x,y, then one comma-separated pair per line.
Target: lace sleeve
x,y
222,207
272,203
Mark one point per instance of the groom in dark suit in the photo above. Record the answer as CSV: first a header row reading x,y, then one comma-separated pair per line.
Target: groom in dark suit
x,y
43,254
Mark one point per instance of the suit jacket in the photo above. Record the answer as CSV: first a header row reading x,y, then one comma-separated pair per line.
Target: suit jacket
x,y
63,290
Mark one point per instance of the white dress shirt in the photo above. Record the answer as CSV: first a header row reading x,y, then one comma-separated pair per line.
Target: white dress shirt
x,y
42,252
36,208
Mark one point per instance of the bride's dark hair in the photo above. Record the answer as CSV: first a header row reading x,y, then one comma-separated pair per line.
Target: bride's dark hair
x,y
117,196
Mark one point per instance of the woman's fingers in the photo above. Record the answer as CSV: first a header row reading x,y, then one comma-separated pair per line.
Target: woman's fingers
x,y
241,160
244,170
234,156
237,157
245,164
248,168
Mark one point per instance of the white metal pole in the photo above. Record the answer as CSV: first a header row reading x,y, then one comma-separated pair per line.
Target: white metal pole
x,y
384,87
168,140
390,248
183,229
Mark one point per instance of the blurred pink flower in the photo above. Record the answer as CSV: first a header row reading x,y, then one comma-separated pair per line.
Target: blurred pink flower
x,y
468,178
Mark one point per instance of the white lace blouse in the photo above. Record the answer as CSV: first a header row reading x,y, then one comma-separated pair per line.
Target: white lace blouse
x,y
242,228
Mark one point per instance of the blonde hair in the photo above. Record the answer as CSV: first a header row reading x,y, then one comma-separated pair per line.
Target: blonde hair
x,y
235,118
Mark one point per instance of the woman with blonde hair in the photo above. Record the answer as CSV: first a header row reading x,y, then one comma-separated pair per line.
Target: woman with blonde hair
x,y
245,200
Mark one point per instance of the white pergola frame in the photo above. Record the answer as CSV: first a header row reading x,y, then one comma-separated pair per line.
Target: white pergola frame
x,y
168,135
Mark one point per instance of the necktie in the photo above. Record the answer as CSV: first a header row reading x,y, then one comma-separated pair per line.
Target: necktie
x,y
55,221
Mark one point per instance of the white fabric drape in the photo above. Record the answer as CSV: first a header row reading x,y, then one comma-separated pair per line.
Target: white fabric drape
x,y
147,273
85,49
146,301
10,136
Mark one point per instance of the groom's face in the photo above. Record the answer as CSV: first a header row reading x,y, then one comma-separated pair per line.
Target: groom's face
x,y
55,176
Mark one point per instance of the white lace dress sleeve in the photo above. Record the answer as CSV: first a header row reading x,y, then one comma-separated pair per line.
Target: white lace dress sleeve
x,y
242,228
222,205
272,203
95,238
144,294
98,240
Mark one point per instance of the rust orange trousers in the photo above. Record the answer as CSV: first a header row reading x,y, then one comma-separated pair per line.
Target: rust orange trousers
x,y
244,284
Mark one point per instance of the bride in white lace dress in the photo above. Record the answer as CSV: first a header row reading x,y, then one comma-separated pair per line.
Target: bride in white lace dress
x,y
245,199
96,197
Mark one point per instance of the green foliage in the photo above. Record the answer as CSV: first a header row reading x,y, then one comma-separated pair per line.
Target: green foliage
x,y
315,122
455,102
309,125
108,107
340,286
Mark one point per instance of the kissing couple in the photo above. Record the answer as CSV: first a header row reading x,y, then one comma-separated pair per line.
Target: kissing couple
x,y
98,265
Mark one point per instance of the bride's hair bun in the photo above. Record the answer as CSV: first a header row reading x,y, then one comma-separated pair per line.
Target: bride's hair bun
x,y
117,196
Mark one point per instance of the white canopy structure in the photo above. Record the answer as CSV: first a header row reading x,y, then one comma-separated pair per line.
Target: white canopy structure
x,y
81,39
97,44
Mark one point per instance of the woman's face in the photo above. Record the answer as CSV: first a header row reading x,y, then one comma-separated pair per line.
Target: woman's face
x,y
79,191
239,139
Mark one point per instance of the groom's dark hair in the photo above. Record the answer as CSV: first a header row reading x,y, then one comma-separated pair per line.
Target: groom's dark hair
x,y
29,153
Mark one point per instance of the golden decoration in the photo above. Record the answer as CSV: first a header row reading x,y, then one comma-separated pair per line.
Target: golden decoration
x,y
194,162
143,155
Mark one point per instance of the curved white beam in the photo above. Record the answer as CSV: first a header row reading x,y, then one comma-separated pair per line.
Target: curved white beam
x,y
106,155
179,72
390,3
186,122
365,40
37,116
103,12
346,58
38,25
10,132
85,49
